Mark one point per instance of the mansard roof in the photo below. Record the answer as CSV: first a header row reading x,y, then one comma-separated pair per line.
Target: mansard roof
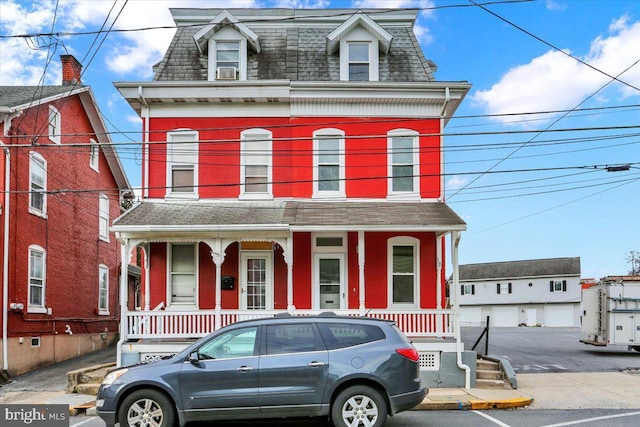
x,y
549,267
291,44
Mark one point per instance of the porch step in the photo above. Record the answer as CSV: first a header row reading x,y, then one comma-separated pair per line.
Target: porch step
x,y
489,375
491,384
487,365
88,380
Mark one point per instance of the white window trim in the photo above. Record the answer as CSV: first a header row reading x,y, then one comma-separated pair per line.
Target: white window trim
x,y
262,134
33,156
411,195
169,194
54,134
37,308
317,136
213,61
103,217
270,277
319,252
94,155
183,306
403,241
374,56
103,311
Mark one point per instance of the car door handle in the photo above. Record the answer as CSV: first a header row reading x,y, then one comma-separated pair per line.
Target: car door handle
x,y
314,364
245,369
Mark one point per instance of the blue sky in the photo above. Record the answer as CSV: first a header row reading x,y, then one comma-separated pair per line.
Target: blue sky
x,y
525,194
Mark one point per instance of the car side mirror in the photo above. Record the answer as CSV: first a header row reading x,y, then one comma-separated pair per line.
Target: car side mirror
x,y
193,358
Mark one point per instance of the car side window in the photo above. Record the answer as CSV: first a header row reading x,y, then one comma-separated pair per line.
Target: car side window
x,y
342,335
293,338
235,343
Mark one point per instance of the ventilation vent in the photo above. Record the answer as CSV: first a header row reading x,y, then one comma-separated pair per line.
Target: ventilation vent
x,y
226,73
430,361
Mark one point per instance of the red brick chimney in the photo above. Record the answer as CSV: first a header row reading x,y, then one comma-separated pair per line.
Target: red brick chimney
x,y
71,70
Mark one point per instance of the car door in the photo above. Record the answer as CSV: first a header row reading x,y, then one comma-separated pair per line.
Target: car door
x,y
293,370
221,377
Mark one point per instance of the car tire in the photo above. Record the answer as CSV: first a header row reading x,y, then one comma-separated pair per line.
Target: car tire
x,y
359,406
146,407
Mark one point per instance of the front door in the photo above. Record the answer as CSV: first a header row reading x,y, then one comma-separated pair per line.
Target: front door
x,y
329,281
256,280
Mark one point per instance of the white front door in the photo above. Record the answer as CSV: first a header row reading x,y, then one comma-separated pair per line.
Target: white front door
x,y
329,281
256,280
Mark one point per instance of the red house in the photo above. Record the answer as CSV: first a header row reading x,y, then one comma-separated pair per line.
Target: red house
x,y
60,187
293,161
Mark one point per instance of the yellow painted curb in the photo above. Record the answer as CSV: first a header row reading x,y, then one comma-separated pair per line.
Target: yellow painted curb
x,y
501,404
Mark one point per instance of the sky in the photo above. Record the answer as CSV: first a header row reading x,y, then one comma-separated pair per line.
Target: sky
x,y
530,155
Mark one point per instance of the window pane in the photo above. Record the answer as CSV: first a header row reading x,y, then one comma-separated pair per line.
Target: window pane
x,y
328,241
228,45
35,295
328,178
182,258
328,151
359,52
402,178
236,343
37,201
290,339
403,289
37,265
403,259
329,270
358,72
402,148
182,179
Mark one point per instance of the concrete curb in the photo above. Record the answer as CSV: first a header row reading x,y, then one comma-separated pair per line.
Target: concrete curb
x,y
445,405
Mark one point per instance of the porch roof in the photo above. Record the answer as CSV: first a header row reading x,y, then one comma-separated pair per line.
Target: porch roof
x,y
163,216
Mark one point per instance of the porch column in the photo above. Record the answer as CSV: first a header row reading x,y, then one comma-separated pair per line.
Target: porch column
x,y
361,306
125,256
217,255
439,319
147,279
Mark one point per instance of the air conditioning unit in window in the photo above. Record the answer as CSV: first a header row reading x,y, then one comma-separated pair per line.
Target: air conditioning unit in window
x,y
226,73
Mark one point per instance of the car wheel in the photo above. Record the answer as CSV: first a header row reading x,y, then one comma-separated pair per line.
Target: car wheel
x,y
359,406
144,408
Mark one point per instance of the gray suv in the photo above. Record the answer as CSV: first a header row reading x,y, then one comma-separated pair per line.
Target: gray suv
x,y
354,370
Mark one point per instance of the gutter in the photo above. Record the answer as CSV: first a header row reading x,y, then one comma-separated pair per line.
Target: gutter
x,y
455,237
5,262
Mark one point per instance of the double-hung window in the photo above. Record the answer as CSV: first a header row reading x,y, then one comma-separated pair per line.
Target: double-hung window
x,y
103,215
182,274
37,185
37,281
403,270
329,171
227,60
503,288
54,124
103,289
182,165
403,167
557,286
94,155
359,61
255,169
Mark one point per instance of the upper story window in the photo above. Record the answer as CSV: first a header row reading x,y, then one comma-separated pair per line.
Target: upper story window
x,y
255,164
467,289
54,124
94,155
227,60
359,63
557,286
182,164
104,217
37,279
503,288
37,185
103,289
403,166
403,270
329,170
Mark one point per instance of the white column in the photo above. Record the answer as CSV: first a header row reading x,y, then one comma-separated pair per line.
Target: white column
x,y
288,259
217,255
361,259
147,279
439,272
125,256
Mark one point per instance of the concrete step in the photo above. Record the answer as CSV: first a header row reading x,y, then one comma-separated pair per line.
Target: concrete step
x,y
492,384
488,375
89,389
90,375
487,365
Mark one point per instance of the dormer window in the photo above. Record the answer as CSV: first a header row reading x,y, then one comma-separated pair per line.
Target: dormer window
x,y
359,63
227,60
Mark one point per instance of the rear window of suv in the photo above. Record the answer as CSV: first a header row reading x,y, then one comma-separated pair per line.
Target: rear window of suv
x,y
341,335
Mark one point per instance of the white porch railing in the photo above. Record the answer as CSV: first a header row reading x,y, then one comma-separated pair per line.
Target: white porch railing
x,y
196,324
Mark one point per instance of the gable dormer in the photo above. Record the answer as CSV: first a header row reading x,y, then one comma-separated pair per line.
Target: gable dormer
x,y
226,41
359,40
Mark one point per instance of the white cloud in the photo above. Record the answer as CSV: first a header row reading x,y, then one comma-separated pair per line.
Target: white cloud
x,y
303,4
456,182
555,5
555,81
134,119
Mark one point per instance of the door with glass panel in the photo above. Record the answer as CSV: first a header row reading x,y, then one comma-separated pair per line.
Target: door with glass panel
x,y
329,281
182,274
256,286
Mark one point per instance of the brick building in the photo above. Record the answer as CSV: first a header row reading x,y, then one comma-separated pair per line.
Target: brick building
x,y
61,183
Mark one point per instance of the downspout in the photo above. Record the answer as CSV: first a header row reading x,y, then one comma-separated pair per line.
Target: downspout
x,y
5,261
455,241
144,113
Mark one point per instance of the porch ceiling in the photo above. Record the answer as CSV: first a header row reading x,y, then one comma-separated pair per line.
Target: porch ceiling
x,y
288,215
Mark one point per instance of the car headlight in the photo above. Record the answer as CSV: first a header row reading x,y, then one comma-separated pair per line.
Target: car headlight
x,y
112,376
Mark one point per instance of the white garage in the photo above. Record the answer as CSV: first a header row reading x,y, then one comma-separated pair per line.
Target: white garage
x,y
504,316
560,315
470,316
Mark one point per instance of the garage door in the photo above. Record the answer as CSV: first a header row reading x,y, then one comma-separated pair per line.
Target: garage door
x,y
558,315
504,316
470,316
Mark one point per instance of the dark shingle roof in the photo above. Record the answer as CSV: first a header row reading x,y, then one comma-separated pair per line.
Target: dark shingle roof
x,y
352,215
297,54
13,96
526,268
